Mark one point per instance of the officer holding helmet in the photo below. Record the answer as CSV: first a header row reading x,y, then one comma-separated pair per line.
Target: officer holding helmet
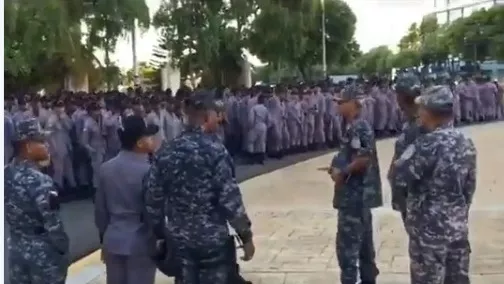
x,y
38,245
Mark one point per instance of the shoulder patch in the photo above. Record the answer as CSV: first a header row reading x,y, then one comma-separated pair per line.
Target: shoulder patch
x,y
355,143
408,153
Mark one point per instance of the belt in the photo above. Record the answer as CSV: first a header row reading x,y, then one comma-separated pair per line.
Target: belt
x,y
37,231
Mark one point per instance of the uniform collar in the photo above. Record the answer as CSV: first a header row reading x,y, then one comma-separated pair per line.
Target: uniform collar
x,y
25,163
134,156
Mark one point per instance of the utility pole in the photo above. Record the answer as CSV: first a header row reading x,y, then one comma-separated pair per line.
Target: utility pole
x,y
136,80
324,59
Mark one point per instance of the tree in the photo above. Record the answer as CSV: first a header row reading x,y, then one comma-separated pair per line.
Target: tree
x,y
479,36
406,58
377,60
43,39
200,37
411,40
296,40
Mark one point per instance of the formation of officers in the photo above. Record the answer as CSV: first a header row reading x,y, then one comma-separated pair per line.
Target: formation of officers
x,y
174,207
260,122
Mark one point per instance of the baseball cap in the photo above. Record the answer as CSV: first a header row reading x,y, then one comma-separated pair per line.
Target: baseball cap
x,y
436,98
30,129
409,85
204,101
134,127
350,92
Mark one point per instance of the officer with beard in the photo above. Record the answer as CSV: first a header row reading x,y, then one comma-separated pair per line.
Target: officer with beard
x,y
38,245
191,195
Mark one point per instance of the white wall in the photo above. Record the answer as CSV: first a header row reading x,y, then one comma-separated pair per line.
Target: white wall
x,y
170,78
75,84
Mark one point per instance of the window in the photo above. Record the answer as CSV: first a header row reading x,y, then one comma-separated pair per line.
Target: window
x,y
442,17
454,14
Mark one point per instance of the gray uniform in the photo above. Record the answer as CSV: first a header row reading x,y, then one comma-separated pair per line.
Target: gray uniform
x,y
60,146
259,120
94,142
127,242
112,123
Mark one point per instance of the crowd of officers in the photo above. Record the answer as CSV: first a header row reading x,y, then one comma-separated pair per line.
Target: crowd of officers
x,y
174,207
260,122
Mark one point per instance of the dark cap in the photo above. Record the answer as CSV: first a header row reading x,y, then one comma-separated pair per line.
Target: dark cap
x,y
30,129
408,85
436,98
204,101
133,128
351,92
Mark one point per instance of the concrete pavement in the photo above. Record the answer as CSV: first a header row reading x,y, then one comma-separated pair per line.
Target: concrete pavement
x,y
295,226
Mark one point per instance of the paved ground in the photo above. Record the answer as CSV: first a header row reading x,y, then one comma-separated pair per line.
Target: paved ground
x,y
78,215
295,228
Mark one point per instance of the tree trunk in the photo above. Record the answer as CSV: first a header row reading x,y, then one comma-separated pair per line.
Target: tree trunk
x,y
302,69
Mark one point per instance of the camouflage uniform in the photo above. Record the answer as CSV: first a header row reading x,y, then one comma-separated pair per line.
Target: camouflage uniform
x,y
439,172
354,200
191,182
410,131
38,244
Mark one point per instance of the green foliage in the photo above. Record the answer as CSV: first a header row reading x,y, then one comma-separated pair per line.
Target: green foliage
x,y
200,38
43,38
479,36
376,61
290,32
475,38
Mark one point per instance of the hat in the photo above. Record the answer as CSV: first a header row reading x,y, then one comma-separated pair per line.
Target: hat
x,y
436,98
351,92
133,128
29,129
408,85
204,101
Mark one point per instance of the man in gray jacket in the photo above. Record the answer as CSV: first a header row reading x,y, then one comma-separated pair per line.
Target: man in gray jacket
x,y
127,242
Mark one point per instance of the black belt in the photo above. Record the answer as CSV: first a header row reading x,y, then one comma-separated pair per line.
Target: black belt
x,y
29,231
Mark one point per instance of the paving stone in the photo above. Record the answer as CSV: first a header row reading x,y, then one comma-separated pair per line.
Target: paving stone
x,y
295,227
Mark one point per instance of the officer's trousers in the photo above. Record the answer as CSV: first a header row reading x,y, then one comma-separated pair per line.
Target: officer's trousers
x,y
129,269
203,265
438,262
29,264
354,245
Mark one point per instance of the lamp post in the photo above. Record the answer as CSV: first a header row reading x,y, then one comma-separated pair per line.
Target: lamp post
x,y
133,49
324,59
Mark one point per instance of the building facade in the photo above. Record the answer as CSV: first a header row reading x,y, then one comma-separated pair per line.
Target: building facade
x,y
448,11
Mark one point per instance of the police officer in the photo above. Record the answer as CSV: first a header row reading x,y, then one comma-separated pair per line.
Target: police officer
x,y
357,190
407,89
191,183
439,172
38,245
127,242
212,128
